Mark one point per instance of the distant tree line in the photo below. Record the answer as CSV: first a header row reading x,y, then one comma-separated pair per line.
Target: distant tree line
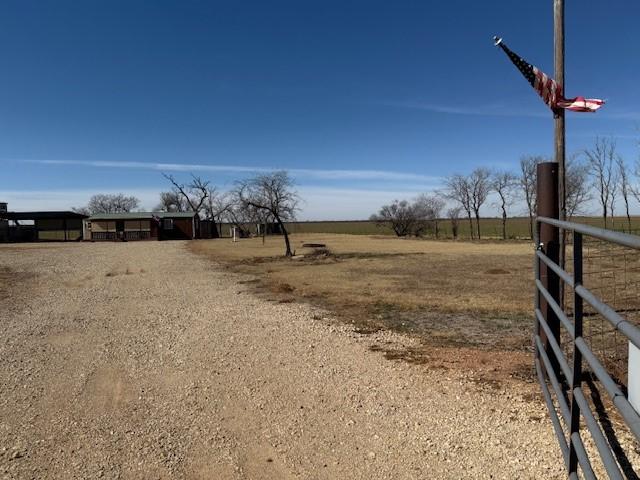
x,y
598,173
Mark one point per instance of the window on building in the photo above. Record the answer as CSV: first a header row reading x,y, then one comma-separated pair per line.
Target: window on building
x,y
168,224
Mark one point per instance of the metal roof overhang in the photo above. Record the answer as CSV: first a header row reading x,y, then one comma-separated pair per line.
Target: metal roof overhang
x,y
41,215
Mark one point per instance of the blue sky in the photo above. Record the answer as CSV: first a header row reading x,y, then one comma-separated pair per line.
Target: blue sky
x,y
364,101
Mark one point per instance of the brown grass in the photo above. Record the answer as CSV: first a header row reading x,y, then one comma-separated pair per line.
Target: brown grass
x,y
376,274
452,295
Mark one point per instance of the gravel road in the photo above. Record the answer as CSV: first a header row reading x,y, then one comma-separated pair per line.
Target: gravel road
x,y
144,361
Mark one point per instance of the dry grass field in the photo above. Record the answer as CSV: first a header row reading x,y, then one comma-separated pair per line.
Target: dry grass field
x,y
517,227
474,297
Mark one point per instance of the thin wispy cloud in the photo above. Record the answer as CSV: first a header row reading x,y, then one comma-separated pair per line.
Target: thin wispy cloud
x,y
317,174
479,110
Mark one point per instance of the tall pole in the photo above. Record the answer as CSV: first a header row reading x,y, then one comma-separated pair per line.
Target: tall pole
x,y
560,150
559,133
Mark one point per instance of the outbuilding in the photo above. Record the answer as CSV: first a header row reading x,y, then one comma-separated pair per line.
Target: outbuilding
x,y
40,226
130,226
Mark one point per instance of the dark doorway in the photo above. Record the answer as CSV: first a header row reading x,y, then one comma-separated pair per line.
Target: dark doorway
x,y
120,229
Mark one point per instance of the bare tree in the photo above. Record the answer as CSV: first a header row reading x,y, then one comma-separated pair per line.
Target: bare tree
x,y
401,215
429,210
195,193
109,203
625,187
601,160
528,184
458,189
480,188
172,201
615,189
504,183
577,184
216,207
238,216
271,193
454,216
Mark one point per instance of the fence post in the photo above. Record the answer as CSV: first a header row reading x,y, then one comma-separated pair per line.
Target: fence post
x,y
576,381
549,238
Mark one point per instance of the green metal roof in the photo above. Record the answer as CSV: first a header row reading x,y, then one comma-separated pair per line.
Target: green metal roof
x,y
140,215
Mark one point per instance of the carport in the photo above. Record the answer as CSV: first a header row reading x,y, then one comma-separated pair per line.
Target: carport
x,y
61,226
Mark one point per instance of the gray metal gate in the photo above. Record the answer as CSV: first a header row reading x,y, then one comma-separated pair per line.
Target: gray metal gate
x,y
565,361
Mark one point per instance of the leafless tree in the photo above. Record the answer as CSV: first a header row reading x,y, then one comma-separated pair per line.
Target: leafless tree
x,y
504,183
273,194
238,216
172,201
454,216
195,193
401,215
480,188
429,210
216,207
459,189
577,184
615,189
625,187
528,184
109,203
601,161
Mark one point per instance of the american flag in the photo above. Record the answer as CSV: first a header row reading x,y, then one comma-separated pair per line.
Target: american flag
x,y
547,87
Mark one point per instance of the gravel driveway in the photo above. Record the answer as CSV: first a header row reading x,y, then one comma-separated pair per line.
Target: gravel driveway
x,y
142,360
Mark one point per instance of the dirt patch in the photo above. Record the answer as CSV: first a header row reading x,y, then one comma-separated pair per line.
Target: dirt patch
x,y
281,288
490,368
14,284
497,271
108,389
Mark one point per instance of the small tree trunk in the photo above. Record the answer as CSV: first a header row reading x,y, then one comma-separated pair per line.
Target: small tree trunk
x,y
504,225
288,252
628,216
436,227
470,225
530,224
478,223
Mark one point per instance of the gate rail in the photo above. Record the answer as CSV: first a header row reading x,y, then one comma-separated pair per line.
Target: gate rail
x,y
551,362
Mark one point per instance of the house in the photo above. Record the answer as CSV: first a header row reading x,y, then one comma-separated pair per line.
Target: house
x,y
39,226
142,226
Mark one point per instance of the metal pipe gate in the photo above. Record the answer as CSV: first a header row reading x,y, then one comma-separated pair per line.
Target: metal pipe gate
x,y
561,380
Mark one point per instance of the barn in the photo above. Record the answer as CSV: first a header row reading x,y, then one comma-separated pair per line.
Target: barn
x,y
130,226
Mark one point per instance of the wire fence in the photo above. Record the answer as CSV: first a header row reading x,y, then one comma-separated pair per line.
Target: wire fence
x,y
612,272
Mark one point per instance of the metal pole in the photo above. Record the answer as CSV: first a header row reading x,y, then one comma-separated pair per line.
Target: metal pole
x,y
547,192
559,127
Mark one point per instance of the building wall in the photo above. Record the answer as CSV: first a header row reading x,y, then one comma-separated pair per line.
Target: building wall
x,y
103,226
182,229
58,229
141,229
4,230
137,225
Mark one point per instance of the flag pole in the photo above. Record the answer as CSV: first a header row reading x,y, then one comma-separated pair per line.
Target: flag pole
x,y
559,127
